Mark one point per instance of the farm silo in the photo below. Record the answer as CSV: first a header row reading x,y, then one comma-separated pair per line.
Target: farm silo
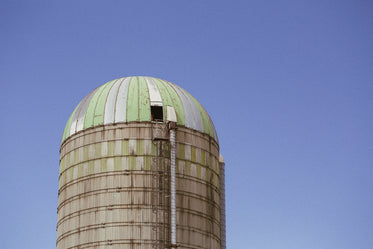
x,y
140,168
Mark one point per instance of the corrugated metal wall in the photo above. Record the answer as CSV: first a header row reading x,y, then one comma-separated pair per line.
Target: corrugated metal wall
x,y
114,189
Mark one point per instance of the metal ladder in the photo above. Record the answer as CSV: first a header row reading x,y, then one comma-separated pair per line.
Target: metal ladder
x,y
160,197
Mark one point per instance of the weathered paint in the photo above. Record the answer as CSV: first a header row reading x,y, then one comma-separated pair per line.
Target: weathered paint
x,y
144,102
208,127
129,99
110,185
90,113
133,100
106,189
192,118
121,102
155,96
100,105
170,97
66,132
111,102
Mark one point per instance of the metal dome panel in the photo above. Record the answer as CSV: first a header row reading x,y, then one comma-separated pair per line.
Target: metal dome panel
x,y
130,99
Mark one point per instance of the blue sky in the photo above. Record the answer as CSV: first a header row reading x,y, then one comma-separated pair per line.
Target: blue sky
x,y
288,85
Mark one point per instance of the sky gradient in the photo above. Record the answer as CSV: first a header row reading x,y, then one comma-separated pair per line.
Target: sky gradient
x,y
288,85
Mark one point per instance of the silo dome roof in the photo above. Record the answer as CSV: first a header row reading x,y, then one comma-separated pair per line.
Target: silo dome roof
x,y
129,99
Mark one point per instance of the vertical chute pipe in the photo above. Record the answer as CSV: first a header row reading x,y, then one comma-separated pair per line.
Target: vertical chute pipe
x,y
173,188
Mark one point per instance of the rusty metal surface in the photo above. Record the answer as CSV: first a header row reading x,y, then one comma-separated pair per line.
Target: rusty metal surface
x,y
114,185
160,131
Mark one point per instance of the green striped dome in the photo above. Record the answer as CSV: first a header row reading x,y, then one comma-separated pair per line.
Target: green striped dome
x,y
130,99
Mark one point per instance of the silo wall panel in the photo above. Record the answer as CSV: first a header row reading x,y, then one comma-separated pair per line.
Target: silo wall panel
x,y
198,210
106,187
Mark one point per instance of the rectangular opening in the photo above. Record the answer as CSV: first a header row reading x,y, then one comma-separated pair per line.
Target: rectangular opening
x,y
157,113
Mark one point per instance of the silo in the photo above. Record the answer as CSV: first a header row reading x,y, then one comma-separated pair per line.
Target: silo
x,y
139,168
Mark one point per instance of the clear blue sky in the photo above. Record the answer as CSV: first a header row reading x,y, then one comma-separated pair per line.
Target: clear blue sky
x,y
288,84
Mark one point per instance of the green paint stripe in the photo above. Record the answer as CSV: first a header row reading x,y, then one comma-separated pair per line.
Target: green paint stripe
x,y
104,165
138,105
111,146
181,154
193,154
203,157
80,170
139,147
90,112
170,97
187,167
91,167
62,164
147,163
133,100
66,132
144,103
167,149
85,153
215,135
117,163
98,118
76,156
198,168
132,162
